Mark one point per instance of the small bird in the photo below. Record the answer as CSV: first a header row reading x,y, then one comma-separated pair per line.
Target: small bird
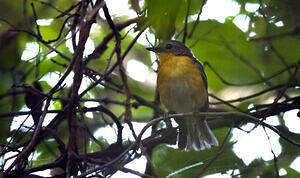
x,y
34,101
182,87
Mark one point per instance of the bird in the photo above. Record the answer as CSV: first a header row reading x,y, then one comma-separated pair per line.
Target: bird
x,y
34,101
182,88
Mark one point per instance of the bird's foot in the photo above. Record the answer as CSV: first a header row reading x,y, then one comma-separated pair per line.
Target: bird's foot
x,y
167,119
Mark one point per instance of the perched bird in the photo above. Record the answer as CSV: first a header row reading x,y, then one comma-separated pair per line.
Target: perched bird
x,y
34,101
182,87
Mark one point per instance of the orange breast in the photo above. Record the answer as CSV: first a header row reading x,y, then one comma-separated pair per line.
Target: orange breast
x,y
180,84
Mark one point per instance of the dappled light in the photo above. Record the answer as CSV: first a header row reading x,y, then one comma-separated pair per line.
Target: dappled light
x,y
79,95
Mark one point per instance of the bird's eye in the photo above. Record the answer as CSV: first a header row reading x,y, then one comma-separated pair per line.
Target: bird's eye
x,y
168,46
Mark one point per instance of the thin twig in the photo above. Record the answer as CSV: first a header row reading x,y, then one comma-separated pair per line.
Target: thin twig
x,y
225,102
127,170
274,156
185,29
255,94
250,83
269,42
280,94
224,115
198,19
220,151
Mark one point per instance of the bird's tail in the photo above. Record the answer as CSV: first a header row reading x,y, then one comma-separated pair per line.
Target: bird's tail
x,y
36,117
195,133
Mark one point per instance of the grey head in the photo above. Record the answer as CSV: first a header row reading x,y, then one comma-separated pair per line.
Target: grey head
x,y
172,46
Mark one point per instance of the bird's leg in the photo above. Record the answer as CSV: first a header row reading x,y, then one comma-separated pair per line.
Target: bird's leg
x,y
167,119
196,115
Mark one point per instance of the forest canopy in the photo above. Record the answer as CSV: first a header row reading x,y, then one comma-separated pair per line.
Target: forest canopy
x,y
78,93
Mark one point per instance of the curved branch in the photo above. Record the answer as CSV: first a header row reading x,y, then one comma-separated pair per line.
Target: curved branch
x,y
224,115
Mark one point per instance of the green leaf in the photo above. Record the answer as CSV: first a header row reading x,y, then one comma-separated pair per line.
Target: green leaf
x,y
162,16
195,6
224,47
52,31
167,160
47,151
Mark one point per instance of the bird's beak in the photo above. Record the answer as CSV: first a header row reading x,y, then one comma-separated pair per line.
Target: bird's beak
x,y
153,49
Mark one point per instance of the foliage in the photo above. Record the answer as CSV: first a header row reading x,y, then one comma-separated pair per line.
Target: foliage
x,y
257,67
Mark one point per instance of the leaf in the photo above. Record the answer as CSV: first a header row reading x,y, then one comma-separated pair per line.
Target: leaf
x,y
195,6
234,57
162,16
47,152
167,160
52,31
223,46
291,173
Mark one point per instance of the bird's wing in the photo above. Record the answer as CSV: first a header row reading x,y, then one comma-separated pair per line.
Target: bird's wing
x,y
200,67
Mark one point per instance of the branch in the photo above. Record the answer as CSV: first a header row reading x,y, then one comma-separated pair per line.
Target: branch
x,y
105,76
186,21
224,115
254,82
121,70
294,32
220,151
198,19
126,170
256,94
269,42
99,50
